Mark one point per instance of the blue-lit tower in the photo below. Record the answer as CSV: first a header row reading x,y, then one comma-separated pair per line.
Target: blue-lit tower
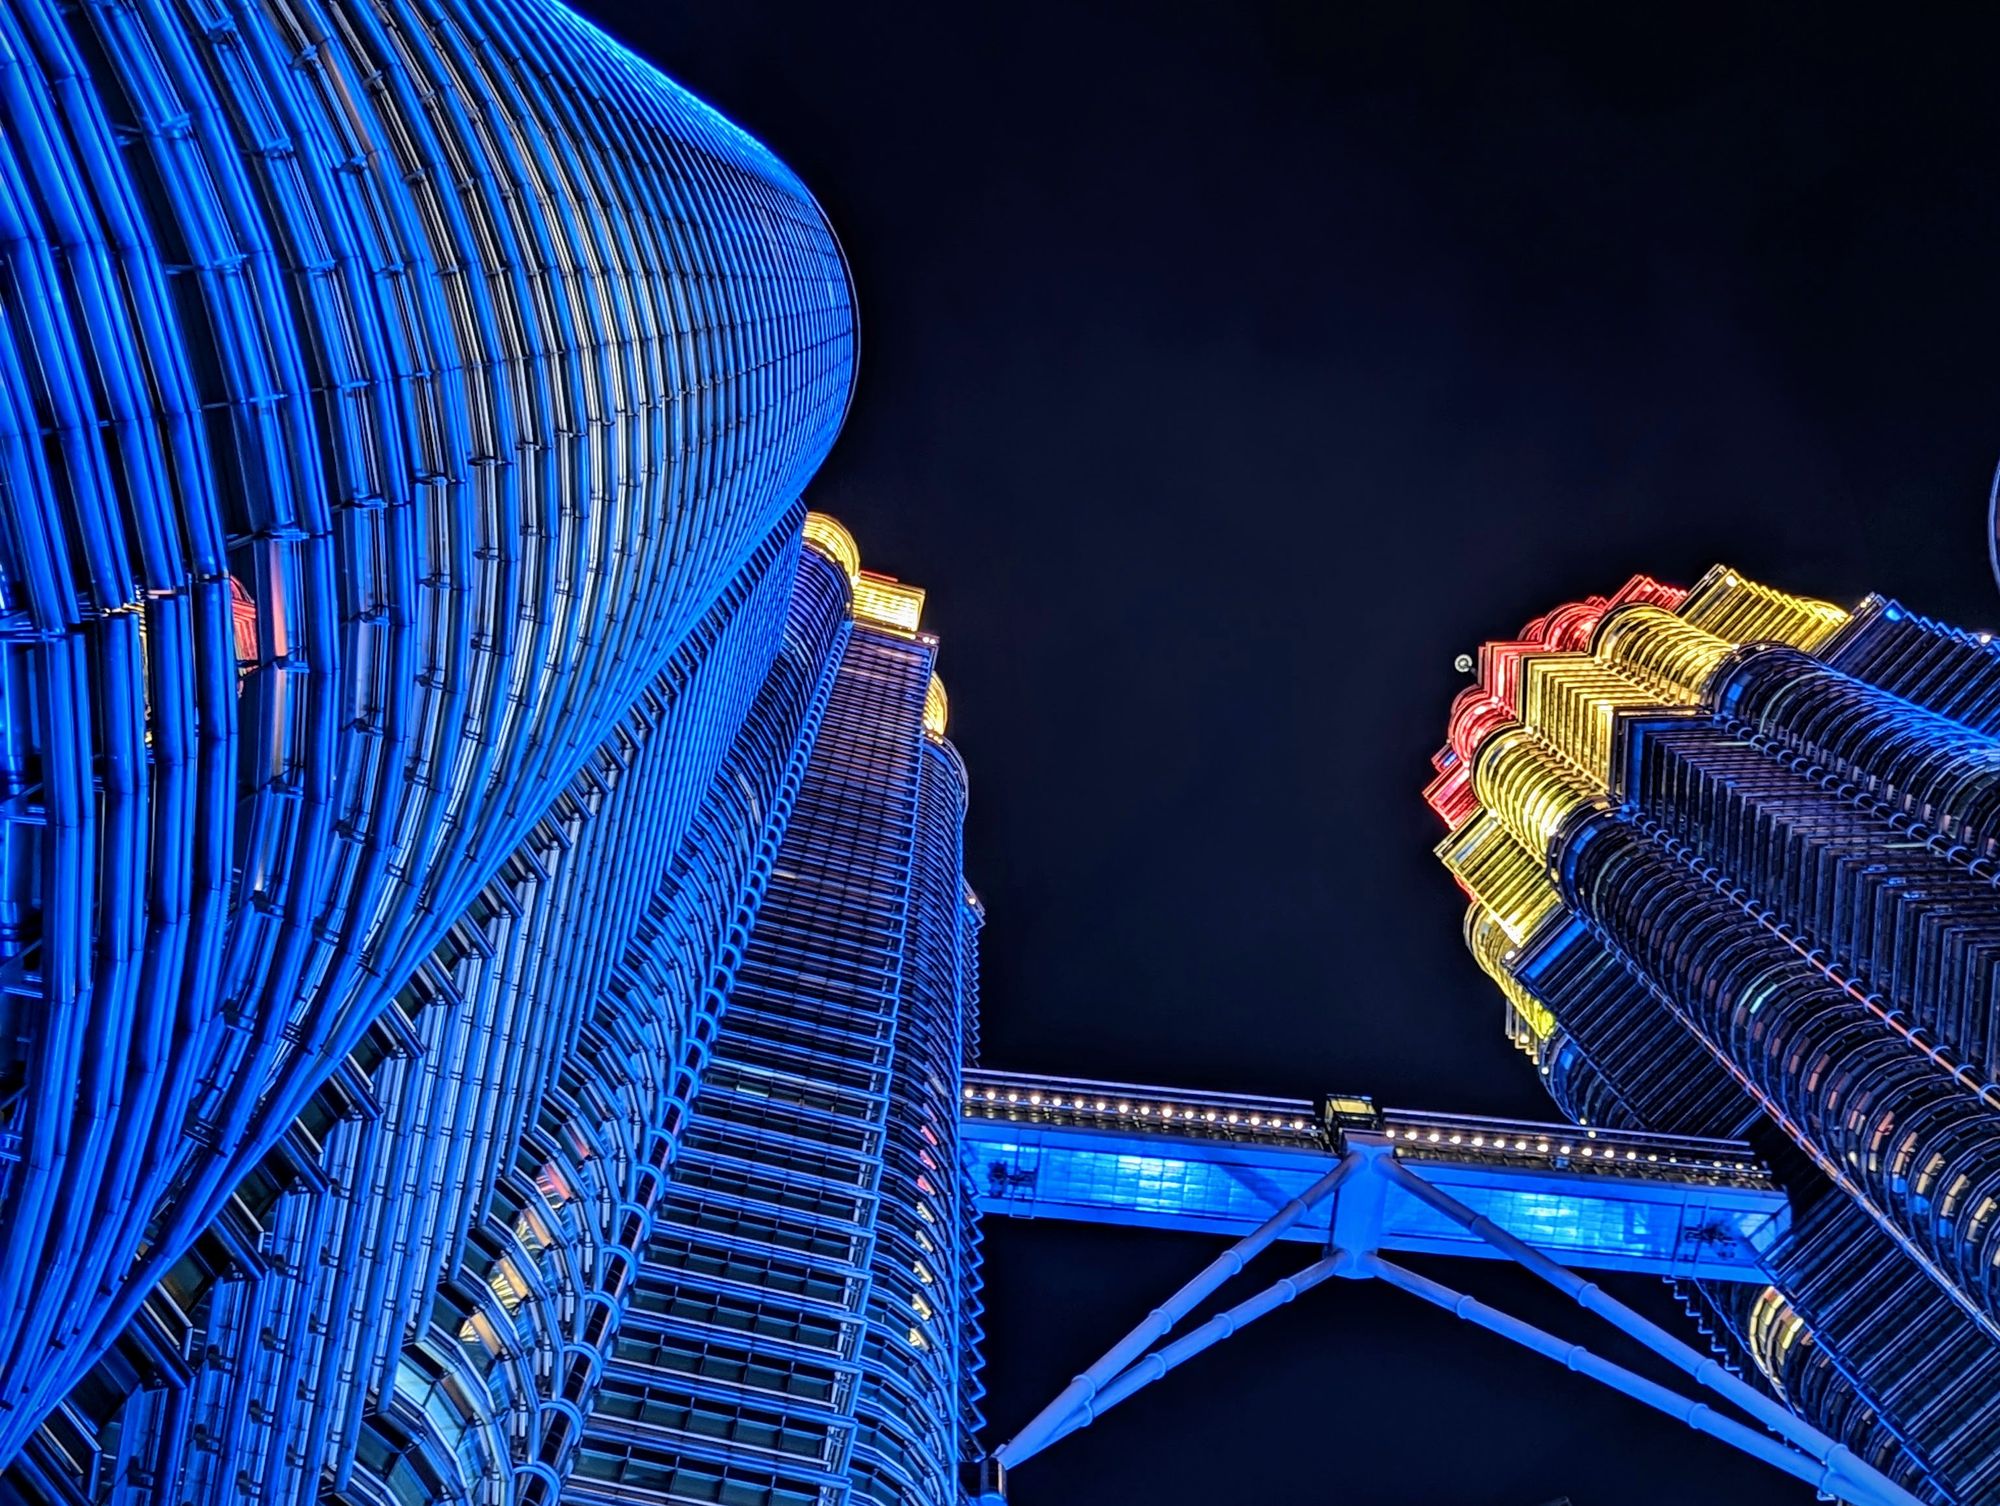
x,y
804,1321
403,413
647,1184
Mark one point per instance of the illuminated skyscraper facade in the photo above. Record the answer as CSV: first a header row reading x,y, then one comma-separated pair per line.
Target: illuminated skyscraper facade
x,y
646,1185
487,967
1732,858
412,670
803,1325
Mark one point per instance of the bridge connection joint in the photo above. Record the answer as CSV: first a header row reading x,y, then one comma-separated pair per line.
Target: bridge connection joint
x,y
1355,1230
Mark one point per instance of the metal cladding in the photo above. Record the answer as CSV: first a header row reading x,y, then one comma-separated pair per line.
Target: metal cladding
x,y
1732,859
648,1180
396,400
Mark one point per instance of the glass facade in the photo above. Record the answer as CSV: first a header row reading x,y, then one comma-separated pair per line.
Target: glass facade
x,y
483,939
1117,1153
1731,855
647,1185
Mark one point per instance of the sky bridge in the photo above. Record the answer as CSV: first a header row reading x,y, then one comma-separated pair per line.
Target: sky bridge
x,y
1118,1153
1361,1184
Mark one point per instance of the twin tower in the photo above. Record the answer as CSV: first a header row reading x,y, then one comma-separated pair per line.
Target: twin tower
x,y
426,704
1732,860
486,965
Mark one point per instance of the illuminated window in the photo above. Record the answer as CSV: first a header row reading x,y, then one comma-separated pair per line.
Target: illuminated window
x,y
532,1232
507,1284
243,624
479,1329
553,1185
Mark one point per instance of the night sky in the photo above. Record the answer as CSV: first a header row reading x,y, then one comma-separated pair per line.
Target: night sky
x,y
1227,373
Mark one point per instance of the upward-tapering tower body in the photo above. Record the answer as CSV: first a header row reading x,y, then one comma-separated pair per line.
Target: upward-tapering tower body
x,y
403,410
804,1322
1732,856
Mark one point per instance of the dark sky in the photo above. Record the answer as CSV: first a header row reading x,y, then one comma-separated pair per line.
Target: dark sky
x,y
1228,371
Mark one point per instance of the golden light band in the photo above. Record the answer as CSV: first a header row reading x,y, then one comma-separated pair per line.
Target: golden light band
x,y
1537,741
1497,871
1573,701
1746,611
1529,787
1671,657
937,710
1529,1022
826,536
879,601
1771,1332
885,602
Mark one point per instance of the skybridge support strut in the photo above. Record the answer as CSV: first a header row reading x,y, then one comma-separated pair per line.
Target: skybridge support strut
x,y
1372,1174
1705,1369
1698,1415
1217,1328
1080,1392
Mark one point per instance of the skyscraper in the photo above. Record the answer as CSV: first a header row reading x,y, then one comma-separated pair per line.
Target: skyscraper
x,y
647,1182
403,413
489,973
803,1325
1731,856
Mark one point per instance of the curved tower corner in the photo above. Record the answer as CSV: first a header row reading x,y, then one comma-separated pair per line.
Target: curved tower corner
x,y
391,395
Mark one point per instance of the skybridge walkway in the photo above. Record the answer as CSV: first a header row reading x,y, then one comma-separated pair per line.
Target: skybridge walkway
x,y
1363,1184
1118,1153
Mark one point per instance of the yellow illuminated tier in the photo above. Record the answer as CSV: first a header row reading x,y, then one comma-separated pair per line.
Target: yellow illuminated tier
x,y
1745,611
885,602
828,537
1529,1022
1557,756
1572,702
1532,790
1671,657
1498,872
879,601
936,710
1773,1329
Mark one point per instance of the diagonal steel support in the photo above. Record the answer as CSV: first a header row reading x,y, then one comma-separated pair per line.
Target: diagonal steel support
x,y
1705,1369
1371,1166
1825,1476
1048,1423
1217,1328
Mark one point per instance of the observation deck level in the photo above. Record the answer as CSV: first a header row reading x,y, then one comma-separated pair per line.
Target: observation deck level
x,y
1150,1157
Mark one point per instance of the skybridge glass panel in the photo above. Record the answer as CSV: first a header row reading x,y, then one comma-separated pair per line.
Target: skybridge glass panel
x,y
1653,1223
